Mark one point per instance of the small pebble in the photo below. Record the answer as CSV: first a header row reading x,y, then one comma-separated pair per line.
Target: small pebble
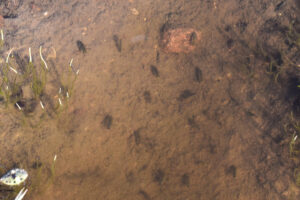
x,y
134,11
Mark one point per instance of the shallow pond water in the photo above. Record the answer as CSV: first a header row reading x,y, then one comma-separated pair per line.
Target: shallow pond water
x,y
146,121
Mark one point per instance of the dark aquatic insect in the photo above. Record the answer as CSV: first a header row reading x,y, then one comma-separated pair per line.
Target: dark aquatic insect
x,y
118,43
154,71
185,94
107,121
81,46
198,74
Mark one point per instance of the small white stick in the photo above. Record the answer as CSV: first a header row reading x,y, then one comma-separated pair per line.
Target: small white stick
x,y
18,106
71,62
60,103
21,194
59,91
41,103
12,69
46,66
30,58
77,72
67,94
54,159
2,36
9,55
295,138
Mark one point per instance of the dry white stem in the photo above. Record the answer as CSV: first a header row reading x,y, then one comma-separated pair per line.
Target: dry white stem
x,y
9,54
2,35
71,62
54,159
60,103
19,107
42,105
77,72
67,94
295,138
14,70
30,58
46,66
21,194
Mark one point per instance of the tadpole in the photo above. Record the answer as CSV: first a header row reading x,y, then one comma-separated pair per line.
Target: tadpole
x,y
118,43
81,46
154,71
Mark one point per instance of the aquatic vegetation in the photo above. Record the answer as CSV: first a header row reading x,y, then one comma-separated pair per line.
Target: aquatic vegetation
x,y
23,85
43,177
293,36
294,147
297,176
53,169
293,150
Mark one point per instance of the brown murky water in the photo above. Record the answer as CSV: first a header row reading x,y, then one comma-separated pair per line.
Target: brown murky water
x,y
144,123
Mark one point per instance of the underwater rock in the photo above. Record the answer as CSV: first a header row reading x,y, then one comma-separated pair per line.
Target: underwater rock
x,y
179,40
14,177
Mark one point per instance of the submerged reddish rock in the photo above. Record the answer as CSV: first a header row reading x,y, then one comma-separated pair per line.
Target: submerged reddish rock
x,y
180,40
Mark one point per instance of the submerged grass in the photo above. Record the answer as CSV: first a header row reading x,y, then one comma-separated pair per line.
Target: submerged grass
x,y
294,148
26,92
44,177
15,78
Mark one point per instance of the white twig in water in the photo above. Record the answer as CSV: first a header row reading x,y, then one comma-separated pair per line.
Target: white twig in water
x,y
9,55
60,103
77,72
54,159
18,106
71,62
67,94
12,69
59,91
295,138
21,194
30,58
41,103
46,66
2,36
